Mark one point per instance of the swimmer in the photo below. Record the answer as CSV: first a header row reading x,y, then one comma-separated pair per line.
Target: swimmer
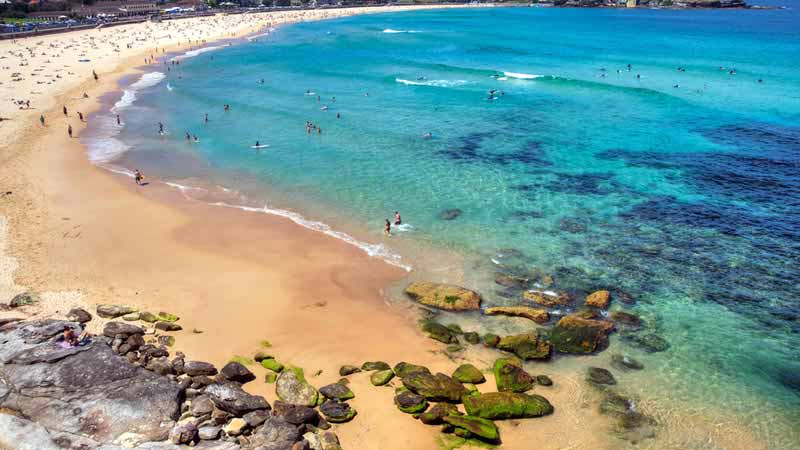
x,y
205,119
397,220
427,135
194,138
338,116
160,128
188,137
387,228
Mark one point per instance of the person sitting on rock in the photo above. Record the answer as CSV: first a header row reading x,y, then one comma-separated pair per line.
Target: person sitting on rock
x,y
70,337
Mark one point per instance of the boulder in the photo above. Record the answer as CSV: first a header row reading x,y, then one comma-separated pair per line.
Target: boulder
x,y
491,340
132,317
444,296
112,329
148,317
202,406
199,368
598,376
410,403
24,299
337,412
543,380
375,365
436,388
336,391
450,214
511,281
626,320
209,433
79,315
439,332
507,405
275,434
348,370
625,362
114,311
235,427
576,334
381,377
547,298
167,317
293,388
599,299
436,414
233,399
168,326
511,377
526,346
272,364
649,342
329,441
534,314
404,369
161,366
476,426
296,414
234,371
467,373
183,434
256,418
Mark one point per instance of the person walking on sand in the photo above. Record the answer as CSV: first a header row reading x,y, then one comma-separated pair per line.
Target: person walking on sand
x,y
397,220
80,116
69,130
65,111
41,119
387,228
94,74
138,177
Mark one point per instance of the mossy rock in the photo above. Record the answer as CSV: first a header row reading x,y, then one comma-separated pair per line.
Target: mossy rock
x,y
148,317
381,377
477,426
292,388
243,360
599,376
472,337
167,317
260,356
439,332
577,334
626,320
272,365
410,403
132,317
348,370
404,369
455,328
650,342
598,299
298,372
534,314
436,414
471,389
337,412
467,373
547,299
454,348
491,340
436,388
544,380
625,363
29,298
526,346
270,377
374,365
507,405
444,296
337,391
511,377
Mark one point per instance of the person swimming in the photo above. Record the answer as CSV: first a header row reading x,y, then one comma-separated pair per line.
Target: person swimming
x,y
194,138
387,228
188,136
397,220
427,135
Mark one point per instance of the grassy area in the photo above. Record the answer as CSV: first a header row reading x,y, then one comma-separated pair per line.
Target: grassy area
x,y
11,20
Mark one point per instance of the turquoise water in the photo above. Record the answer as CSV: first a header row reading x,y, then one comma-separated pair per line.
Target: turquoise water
x,y
678,189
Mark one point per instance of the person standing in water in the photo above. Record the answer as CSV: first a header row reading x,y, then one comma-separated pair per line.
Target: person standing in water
x,y
397,219
387,228
205,119
138,177
160,128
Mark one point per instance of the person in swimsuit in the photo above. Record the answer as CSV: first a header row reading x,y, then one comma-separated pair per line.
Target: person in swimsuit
x,y
41,119
138,177
397,220
387,228
69,337
160,128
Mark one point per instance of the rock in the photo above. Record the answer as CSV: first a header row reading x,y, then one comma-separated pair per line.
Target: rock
x,y
598,299
381,377
491,340
444,296
544,380
547,298
87,391
202,406
337,412
161,366
507,405
336,391
467,373
6,320
526,346
472,337
649,342
477,426
208,433
270,377
148,317
439,332
296,414
234,371
575,334
436,388
256,418
235,427
598,375
199,368
450,214
132,317
112,329
292,388
374,365
24,299
625,362
410,403
436,414
404,369
511,281
348,370
114,311
511,377
275,434
79,315
168,326
167,317
631,425
272,365
260,356
233,399
627,320
183,434
329,441
536,315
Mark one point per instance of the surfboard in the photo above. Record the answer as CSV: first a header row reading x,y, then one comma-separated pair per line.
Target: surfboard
x,y
260,146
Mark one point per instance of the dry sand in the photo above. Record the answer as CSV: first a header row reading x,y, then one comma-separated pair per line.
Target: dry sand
x,y
82,236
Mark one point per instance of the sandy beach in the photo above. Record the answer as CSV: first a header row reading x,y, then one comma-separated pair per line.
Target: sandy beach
x,y
81,236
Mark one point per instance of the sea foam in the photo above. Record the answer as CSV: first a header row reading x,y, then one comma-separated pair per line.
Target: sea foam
x,y
521,76
435,83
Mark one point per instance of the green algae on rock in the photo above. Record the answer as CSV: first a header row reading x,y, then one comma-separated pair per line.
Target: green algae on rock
x,y
404,369
598,376
337,412
410,403
439,332
348,370
467,373
491,340
507,405
272,365
534,314
444,296
477,426
436,388
577,334
436,414
337,391
511,377
381,377
375,365
526,346
292,388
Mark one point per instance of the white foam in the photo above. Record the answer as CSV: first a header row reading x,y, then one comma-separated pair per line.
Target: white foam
x,y
374,250
521,76
435,83
169,87
548,293
403,227
391,31
199,51
129,95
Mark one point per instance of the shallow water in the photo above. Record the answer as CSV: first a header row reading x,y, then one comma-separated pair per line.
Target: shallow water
x,y
679,188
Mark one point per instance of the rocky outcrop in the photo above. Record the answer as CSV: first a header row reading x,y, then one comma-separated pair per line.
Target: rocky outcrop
x,y
547,298
114,311
511,377
534,314
436,414
598,299
467,373
233,399
444,296
577,334
474,427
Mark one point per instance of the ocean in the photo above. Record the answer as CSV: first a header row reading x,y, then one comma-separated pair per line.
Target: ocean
x,y
655,153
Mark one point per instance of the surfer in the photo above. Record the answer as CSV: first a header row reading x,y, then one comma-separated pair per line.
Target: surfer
x,y
387,228
138,177
258,145
397,220
338,116
194,137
